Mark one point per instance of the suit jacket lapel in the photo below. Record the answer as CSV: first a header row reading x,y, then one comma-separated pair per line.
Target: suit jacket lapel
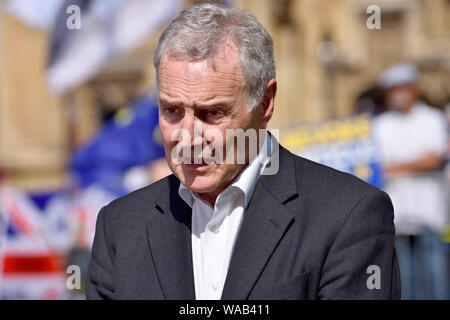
x,y
265,222
169,236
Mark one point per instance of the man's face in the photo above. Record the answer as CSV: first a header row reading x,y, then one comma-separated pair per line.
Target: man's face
x,y
211,98
401,98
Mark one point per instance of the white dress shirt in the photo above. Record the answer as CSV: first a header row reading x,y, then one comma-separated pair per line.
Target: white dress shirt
x,y
215,230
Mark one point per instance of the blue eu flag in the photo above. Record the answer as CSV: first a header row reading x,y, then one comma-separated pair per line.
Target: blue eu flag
x,y
131,138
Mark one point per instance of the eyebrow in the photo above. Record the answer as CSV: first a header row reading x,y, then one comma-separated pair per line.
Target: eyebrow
x,y
197,105
172,102
214,105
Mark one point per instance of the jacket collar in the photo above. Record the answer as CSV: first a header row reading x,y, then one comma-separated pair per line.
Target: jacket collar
x,y
265,222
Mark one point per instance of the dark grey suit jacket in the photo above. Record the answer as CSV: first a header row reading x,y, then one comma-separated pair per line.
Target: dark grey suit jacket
x,y
310,232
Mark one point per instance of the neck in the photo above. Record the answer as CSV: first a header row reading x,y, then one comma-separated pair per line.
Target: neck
x,y
407,109
210,197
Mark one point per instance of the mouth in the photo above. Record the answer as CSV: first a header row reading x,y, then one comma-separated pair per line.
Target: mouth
x,y
192,165
195,166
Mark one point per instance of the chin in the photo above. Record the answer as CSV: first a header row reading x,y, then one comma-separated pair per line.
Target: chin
x,y
197,185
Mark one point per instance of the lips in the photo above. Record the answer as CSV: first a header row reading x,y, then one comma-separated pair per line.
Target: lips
x,y
195,166
195,163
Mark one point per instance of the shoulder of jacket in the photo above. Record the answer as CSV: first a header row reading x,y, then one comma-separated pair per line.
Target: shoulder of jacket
x,y
322,181
137,201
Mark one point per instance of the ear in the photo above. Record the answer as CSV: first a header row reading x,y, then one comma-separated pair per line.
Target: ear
x,y
268,102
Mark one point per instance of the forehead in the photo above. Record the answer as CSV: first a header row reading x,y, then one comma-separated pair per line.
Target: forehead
x,y
202,80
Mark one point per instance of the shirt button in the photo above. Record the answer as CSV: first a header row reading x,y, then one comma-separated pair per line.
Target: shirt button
x,y
215,286
215,229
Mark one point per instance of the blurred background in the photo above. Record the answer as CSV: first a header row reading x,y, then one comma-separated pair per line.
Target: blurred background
x,y
363,86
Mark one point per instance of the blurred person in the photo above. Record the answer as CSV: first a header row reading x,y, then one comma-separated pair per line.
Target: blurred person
x,y
447,166
412,140
215,230
120,157
370,100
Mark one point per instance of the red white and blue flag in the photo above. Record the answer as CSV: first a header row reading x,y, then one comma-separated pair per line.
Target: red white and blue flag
x,y
31,268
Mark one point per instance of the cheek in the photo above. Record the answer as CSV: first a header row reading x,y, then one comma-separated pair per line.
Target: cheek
x,y
166,132
219,140
246,118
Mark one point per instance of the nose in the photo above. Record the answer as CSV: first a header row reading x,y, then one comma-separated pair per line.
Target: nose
x,y
192,125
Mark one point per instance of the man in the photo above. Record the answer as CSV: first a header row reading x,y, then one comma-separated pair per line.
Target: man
x,y
412,139
228,229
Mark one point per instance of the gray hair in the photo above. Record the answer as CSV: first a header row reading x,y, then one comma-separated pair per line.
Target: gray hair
x,y
201,29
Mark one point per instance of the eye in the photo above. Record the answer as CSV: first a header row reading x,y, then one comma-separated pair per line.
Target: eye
x,y
215,113
170,109
172,113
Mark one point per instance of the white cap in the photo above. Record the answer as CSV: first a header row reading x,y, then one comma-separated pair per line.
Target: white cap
x,y
398,75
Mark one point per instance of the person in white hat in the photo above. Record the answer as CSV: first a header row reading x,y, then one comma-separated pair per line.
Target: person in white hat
x,y
412,141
